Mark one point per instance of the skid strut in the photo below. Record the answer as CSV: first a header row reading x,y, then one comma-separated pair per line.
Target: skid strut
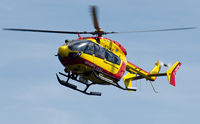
x,y
74,87
116,84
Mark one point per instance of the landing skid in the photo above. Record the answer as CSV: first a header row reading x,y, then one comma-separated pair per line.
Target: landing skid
x,y
116,84
87,85
74,87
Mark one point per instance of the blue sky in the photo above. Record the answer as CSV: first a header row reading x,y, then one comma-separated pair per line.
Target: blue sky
x,y
29,91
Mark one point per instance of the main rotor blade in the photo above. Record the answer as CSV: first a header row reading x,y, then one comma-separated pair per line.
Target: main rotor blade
x,y
47,31
94,17
156,30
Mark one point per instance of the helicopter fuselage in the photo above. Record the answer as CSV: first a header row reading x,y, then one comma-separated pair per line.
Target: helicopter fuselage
x,y
101,55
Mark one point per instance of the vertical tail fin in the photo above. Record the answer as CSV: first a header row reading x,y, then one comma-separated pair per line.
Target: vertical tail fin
x,y
172,72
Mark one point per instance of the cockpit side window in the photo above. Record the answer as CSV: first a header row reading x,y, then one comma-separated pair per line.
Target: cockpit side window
x,y
89,49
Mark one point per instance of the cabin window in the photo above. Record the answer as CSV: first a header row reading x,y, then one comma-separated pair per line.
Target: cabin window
x,y
109,56
117,60
78,45
112,57
99,51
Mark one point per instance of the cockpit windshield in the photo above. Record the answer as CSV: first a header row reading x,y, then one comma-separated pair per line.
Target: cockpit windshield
x,y
94,49
78,45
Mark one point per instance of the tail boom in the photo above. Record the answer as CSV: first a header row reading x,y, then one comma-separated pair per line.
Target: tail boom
x,y
152,75
131,68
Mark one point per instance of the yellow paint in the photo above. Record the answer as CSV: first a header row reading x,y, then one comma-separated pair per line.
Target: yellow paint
x,y
169,71
128,78
111,67
108,66
155,70
134,69
64,50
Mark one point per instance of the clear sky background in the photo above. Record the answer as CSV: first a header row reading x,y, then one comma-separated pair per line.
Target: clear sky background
x,y
30,93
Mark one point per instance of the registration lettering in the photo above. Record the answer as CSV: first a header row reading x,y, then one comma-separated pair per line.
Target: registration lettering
x,y
94,66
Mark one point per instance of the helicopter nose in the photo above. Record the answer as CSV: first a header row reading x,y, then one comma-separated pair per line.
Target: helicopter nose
x,y
63,51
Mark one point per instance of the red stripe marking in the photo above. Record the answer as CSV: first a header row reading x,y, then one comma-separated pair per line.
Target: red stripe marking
x,y
172,80
138,67
67,61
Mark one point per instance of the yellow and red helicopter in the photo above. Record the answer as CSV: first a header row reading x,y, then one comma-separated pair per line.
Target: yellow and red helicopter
x,y
99,60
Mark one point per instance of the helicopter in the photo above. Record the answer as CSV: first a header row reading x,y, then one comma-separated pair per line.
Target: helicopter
x,y
99,60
